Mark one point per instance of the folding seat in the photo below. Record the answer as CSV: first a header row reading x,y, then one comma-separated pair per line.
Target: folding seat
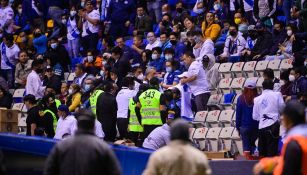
x,y
224,69
261,66
234,119
226,117
249,68
259,84
18,106
71,77
18,95
237,85
274,64
224,85
212,118
285,64
66,74
191,133
200,118
199,137
227,100
236,69
212,138
225,138
237,141
236,100
214,99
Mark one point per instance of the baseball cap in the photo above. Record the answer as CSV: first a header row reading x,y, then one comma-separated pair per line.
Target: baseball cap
x,y
63,108
250,84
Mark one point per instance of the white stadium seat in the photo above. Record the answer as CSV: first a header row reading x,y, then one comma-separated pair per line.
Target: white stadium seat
x,y
224,69
11,91
237,141
224,85
200,118
199,137
18,106
225,118
212,118
225,138
274,64
212,138
237,85
66,75
261,66
191,133
259,83
214,99
249,68
216,65
236,69
71,77
286,64
18,95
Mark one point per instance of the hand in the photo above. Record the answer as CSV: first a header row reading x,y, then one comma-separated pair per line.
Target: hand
x,y
288,98
257,169
127,24
256,57
282,48
248,52
134,47
81,13
292,38
197,46
183,81
108,55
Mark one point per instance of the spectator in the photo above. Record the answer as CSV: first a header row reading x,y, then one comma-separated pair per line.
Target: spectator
x,y
24,42
64,92
165,43
55,11
245,124
21,23
124,95
52,80
266,110
165,26
7,18
81,76
9,57
264,11
169,54
197,81
34,11
108,44
299,11
33,114
23,69
171,76
121,14
46,122
203,46
95,156
142,22
250,40
126,49
152,41
66,123
86,92
290,161
268,74
213,75
299,83
146,57
73,33
160,136
90,20
178,152
176,45
157,61
285,84
137,48
121,64
39,41
279,36
34,84
234,45
73,100
92,62
6,99
210,29
154,9
106,112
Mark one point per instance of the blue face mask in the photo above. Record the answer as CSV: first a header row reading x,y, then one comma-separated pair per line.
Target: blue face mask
x,y
87,87
54,45
168,69
102,73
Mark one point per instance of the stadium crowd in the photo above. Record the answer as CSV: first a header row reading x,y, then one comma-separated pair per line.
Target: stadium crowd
x,y
140,64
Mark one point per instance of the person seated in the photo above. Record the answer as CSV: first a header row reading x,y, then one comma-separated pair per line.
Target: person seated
x,y
23,69
170,78
92,62
52,79
6,99
210,29
285,84
74,98
156,60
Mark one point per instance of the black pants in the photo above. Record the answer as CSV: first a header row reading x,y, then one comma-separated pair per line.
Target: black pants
x,y
110,132
268,140
89,42
135,137
201,101
122,125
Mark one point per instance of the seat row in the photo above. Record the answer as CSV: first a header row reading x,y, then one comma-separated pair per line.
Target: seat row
x,y
235,85
214,118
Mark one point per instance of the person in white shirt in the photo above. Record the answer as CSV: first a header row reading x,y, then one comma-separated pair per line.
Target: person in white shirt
x,y
90,25
9,57
6,17
34,83
122,99
203,46
73,34
66,123
234,45
197,81
153,41
266,110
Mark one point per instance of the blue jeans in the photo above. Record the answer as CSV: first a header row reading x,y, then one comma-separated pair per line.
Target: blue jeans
x,y
73,48
8,75
286,6
249,136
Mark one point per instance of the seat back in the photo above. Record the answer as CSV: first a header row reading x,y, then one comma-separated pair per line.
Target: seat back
x,y
226,117
18,95
212,118
200,133
236,69
235,135
261,66
18,106
200,116
213,133
214,99
226,133
286,64
249,68
274,64
66,74
216,66
224,69
224,85
237,84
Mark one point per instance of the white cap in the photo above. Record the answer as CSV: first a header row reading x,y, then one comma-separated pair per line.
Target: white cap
x,y
250,83
184,74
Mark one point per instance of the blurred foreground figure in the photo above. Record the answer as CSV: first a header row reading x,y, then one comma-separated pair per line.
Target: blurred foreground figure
x,y
293,157
178,157
82,154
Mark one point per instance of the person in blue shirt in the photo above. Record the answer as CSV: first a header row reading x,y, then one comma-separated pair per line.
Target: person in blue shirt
x,y
171,76
121,13
39,41
178,46
164,39
20,20
156,60
169,54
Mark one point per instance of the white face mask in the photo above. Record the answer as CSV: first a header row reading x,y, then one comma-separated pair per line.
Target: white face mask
x,y
73,13
282,82
289,32
64,21
168,57
20,11
90,58
154,56
140,77
291,78
102,73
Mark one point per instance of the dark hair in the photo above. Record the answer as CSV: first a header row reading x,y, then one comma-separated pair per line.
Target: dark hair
x,y
248,96
158,49
269,73
294,111
108,87
268,84
169,50
148,54
81,67
117,50
197,33
154,82
134,69
8,37
180,130
29,98
168,94
189,54
190,33
189,18
109,40
127,81
280,23
165,33
86,119
175,34
22,51
285,75
297,70
139,37
233,25
36,63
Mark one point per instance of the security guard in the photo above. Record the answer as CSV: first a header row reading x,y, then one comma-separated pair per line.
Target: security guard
x,y
47,121
152,107
134,127
93,99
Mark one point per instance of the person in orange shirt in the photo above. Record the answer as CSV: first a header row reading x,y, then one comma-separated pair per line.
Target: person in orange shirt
x,y
293,159
209,28
93,63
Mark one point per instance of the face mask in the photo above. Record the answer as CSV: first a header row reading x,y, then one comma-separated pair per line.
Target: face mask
x,y
90,58
64,21
291,78
168,57
281,82
87,87
179,10
216,7
20,11
154,56
140,77
37,34
168,69
173,42
199,11
289,32
276,32
305,63
73,13
70,91
82,4
101,73
232,33
54,45
238,21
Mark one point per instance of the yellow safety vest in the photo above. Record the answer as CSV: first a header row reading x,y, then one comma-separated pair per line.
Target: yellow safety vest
x,y
57,103
55,121
93,100
134,125
150,110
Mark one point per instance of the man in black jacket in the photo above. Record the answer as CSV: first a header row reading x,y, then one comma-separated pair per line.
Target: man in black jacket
x,y
121,64
93,155
106,111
